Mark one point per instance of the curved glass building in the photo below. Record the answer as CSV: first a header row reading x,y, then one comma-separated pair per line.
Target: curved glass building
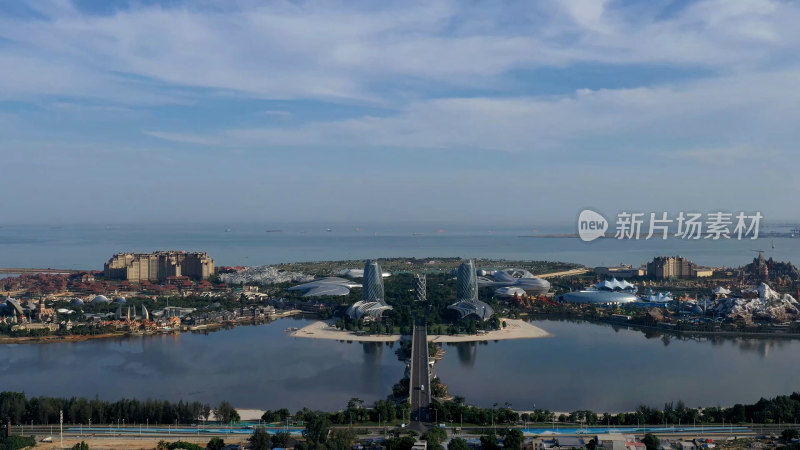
x,y
374,301
467,302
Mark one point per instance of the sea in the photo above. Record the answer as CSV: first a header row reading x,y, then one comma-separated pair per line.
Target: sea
x,y
583,366
89,246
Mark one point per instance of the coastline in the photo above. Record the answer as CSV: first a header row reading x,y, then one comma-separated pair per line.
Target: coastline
x,y
515,329
53,339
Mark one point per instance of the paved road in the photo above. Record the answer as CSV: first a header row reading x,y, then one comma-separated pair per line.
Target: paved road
x,y
565,273
420,378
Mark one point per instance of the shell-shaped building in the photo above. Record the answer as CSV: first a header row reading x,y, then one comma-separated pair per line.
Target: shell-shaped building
x,y
519,278
467,302
374,300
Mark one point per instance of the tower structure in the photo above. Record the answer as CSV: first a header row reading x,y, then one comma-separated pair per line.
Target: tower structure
x,y
420,287
467,302
373,303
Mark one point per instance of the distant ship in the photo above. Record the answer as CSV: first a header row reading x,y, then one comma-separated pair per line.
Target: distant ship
x,y
274,231
328,230
227,230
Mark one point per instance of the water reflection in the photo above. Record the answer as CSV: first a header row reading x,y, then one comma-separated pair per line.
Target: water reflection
x,y
615,368
250,366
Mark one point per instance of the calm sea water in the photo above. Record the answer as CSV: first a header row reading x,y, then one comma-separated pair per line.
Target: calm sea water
x,y
250,366
88,247
582,366
606,368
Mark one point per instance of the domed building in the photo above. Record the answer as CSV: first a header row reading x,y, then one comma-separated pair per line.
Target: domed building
x,y
121,300
510,291
101,299
77,302
599,297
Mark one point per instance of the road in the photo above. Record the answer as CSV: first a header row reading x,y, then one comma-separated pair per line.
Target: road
x,y
420,388
564,273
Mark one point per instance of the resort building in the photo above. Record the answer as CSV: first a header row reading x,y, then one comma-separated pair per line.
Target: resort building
x,y
159,266
518,278
467,302
664,267
374,300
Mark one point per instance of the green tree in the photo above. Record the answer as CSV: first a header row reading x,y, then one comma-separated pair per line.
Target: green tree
x,y
225,412
281,439
651,441
341,439
317,426
789,434
183,445
260,440
458,444
12,406
435,435
215,444
513,439
81,446
490,442
404,443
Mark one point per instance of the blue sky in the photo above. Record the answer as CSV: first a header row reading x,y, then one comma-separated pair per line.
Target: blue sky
x,y
436,111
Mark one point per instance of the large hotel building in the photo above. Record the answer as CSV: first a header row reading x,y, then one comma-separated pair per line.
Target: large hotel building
x,y
138,267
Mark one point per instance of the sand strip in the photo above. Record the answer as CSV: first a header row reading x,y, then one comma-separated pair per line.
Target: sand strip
x,y
514,329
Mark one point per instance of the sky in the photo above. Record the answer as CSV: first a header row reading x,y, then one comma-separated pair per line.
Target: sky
x,y
512,113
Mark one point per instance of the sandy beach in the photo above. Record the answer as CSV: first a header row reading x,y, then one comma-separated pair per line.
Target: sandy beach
x,y
324,330
514,329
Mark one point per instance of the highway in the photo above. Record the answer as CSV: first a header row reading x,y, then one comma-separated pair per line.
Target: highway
x,y
420,389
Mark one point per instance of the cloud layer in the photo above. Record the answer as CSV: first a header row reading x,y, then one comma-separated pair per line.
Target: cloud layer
x,y
659,86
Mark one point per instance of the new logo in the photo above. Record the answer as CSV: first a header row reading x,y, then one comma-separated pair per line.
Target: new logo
x,y
591,225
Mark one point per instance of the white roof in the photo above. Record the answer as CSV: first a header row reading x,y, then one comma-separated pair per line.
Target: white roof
x,y
614,284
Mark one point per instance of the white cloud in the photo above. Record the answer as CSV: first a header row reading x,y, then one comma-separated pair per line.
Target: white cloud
x,y
334,51
182,138
728,114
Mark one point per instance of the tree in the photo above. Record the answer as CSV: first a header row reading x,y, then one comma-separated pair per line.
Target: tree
x,y
651,442
458,444
490,442
225,412
281,439
789,434
260,440
215,444
513,439
317,426
81,446
341,439
404,443
435,436
12,406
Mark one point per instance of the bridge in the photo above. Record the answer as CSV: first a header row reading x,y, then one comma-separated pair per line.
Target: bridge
x,y
420,389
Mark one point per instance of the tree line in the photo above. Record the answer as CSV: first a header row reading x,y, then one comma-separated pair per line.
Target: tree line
x,y
780,409
17,408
